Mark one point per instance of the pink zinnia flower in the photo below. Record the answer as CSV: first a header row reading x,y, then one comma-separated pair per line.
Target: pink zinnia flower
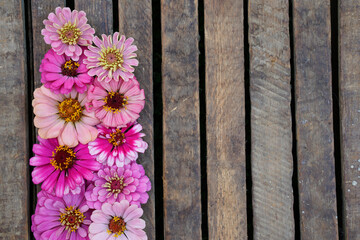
x,y
118,221
113,184
118,145
60,73
66,31
60,168
116,103
64,117
112,58
61,218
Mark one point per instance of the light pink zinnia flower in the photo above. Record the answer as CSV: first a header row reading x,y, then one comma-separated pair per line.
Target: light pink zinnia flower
x,y
61,218
113,184
112,58
64,117
118,145
118,221
61,169
116,103
66,31
60,73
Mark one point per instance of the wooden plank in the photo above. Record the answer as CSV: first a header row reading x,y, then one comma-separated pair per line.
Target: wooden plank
x,y
271,134
135,20
14,152
349,58
39,12
99,14
225,123
181,134
314,119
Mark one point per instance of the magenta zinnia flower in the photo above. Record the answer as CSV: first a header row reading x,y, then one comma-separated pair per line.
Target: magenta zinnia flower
x,y
113,184
119,221
66,31
61,218
60,168
116,103
118,145
112,58
64,117
60,73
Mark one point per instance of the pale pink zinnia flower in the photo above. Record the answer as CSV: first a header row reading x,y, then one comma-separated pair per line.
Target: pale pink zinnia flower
x,y
113,184
64,116
66,31
60,73
118,221
118,145
112,58
65,217
116,103
61,169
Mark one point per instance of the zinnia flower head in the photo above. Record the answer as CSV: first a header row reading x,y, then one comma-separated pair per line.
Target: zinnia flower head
x,y
65,217
118,145
112,58
60,168
60,73
116,103
118,221
113,184
66,31
64,116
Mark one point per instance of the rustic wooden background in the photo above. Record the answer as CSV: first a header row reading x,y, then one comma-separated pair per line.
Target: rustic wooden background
x,y
252,114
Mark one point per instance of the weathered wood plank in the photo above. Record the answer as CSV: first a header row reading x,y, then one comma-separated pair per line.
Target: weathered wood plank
x,y
225,123
349,58
99,15
135,20
181,149
271,135
14,152
39,12
314,119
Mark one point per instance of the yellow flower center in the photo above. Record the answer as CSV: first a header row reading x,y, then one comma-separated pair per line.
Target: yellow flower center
x,y
69,33
117,225
71,218
70,110
69,68
63,158
117,138
114,185
114,101
111,58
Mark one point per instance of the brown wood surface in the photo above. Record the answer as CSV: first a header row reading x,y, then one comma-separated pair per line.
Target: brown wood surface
x,y
225,123
349,59
271,136
40,11
135,21
14,182
181,149
99,14
314,120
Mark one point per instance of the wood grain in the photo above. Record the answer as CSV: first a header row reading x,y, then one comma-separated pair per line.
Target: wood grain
x,y
135,20
271,135
14,152
181,134
314,119
225,122
99,14
349,58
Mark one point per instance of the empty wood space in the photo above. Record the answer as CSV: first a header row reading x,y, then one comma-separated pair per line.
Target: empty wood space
x,y
252,114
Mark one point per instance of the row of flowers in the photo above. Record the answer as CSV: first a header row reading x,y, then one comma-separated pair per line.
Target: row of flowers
x,y
89,140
